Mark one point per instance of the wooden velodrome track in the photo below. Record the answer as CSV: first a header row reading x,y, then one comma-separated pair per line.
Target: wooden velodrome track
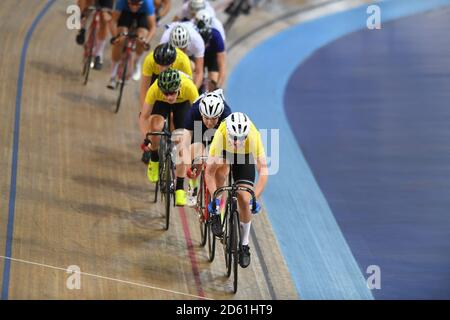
x,y
82,197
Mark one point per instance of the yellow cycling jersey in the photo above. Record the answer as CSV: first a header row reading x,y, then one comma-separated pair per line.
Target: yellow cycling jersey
x,y
253,144
188,92
182,63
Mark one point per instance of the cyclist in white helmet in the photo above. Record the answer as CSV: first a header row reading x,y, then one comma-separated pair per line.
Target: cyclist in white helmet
x,y
237,143
184,36
215,53
201,123
192,7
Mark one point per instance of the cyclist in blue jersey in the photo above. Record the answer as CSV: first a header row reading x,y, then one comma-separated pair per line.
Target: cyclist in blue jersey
x,y
201,123
215,55
141,13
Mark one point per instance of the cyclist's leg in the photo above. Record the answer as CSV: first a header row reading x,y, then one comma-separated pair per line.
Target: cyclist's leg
x,y
105,20
155,123
179,114
213,70
142,32
123,25
244,174
194,150
83,5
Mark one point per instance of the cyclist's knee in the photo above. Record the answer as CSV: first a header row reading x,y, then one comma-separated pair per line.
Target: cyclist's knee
x,y
105,17
156,122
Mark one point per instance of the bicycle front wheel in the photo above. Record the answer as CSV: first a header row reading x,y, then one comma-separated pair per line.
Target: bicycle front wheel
x,y
89,59
123,78
226,242
169,187
235,251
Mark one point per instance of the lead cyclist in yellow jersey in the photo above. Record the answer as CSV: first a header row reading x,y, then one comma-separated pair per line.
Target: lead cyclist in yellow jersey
x,y
172,92
238,143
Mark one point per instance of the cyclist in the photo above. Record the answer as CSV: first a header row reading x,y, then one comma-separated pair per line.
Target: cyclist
x,y
215,55
105,24
201,122
238,143
163,57
126,13
190,9
185,36
172,92
162,8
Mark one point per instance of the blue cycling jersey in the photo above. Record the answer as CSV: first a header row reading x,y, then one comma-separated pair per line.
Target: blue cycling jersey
x,y
215,44
147,7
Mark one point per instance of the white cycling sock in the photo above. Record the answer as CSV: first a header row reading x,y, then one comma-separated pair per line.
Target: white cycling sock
x,y
101,48
115,67
245,229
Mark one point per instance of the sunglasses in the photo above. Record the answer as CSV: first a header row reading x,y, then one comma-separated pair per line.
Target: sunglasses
x,y
168,94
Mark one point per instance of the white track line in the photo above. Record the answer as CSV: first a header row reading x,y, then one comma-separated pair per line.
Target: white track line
x,y
106,278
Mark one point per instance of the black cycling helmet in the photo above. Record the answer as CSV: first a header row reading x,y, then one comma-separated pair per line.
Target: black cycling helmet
x,y
169,81
165,54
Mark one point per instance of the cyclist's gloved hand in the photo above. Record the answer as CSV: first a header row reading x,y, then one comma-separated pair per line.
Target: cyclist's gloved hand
x,y
145,144
257,208
210,207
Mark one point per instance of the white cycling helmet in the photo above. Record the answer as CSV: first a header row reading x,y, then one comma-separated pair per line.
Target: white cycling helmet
x,y
204,16
211,106
195,5
179,37
238,125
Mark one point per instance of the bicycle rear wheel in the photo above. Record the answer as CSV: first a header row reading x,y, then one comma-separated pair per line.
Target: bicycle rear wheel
x,y
123,78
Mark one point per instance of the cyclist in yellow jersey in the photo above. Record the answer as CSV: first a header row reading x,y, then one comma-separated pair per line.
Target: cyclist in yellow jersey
x,y
164,56
238,143
172,92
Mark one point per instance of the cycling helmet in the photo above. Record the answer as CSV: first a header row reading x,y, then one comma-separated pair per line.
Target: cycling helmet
x,y
195,5
169,81
211,106
204,31
179,37
205,16
165,54
238,125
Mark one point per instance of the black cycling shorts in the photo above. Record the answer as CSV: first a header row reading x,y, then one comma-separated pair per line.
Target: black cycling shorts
x,y
242,167
108,4
126,20
179,111
211,61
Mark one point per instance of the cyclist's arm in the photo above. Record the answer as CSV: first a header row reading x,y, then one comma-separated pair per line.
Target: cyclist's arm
x,y
198,72
145,84
165,8
261,167
143,118
151,20
212,164
221,62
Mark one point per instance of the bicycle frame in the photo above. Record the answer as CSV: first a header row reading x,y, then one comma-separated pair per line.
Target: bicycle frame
x,y
231,238
165,153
